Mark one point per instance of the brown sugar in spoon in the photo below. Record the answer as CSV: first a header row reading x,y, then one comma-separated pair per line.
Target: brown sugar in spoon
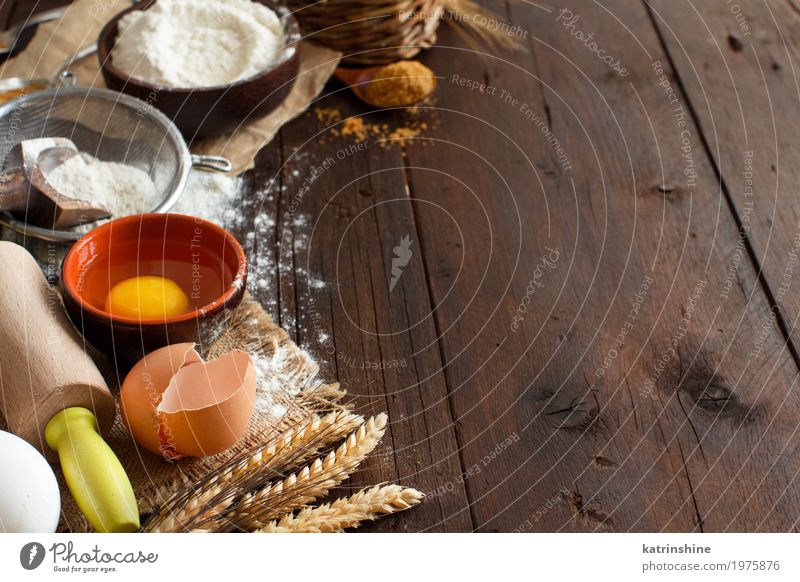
x,y
399,84
26,193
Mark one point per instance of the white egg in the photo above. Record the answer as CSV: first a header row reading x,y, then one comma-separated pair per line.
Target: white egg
x,y
29,497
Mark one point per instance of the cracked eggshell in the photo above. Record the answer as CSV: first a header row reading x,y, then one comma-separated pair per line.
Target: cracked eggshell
x,y
143,387
175,404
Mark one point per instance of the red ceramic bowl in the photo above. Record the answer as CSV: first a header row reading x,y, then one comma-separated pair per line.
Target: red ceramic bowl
x,y
205,260
209,110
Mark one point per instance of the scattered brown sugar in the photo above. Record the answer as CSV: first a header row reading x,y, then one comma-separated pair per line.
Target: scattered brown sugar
x,y
328,115
356,127
399,84
404,135
386,136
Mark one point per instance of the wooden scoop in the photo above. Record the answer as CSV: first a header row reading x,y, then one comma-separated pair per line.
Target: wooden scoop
x,y
26,193
357,79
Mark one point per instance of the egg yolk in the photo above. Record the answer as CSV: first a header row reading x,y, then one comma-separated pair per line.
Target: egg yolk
x,y
147,297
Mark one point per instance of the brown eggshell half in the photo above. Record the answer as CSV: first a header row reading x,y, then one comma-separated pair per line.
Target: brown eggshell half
x,y
207,406
144,386
175,404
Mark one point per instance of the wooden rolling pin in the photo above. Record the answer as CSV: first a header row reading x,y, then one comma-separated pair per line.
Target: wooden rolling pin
x,y
53,396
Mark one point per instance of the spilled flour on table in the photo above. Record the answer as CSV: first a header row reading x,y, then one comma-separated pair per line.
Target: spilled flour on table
x,y
221,199
212,197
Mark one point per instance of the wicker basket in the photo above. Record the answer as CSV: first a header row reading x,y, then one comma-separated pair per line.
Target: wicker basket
x,y
370,32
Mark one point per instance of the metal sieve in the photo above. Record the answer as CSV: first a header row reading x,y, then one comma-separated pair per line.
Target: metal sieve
x,y
110,126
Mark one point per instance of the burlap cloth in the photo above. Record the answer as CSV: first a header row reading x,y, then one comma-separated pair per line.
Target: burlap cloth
x,y
154,480
56,42
250,329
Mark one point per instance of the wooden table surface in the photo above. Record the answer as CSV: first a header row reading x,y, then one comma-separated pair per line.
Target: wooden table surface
x,y
595,328
17,11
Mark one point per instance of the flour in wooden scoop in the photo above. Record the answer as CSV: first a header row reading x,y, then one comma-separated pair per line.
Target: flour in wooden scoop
x,y
119,188
188,44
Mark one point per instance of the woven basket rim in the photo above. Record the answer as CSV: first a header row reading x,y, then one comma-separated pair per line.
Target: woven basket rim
x,y
370,32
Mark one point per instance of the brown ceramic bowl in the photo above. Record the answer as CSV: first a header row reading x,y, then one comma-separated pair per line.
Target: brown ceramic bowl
x,y
212,110
205,260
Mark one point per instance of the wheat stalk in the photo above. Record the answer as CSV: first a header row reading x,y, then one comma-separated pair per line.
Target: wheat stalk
x,y
347,512
213,496
468,18
301,443
310,483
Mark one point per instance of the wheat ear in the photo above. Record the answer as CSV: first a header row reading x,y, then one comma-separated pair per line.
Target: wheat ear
x,y
312,482
302,444
294,447
347,512
469,19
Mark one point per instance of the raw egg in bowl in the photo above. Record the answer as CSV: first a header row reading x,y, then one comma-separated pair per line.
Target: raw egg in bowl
x,y
145,281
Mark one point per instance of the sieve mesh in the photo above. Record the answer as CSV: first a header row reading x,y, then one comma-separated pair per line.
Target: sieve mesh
x,y
108,125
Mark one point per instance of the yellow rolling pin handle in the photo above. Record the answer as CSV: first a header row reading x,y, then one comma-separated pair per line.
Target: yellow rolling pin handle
x,y
94,475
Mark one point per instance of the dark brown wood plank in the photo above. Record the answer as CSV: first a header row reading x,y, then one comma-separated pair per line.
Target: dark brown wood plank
x,y
743,92
611,451
259,234
380,344
738,65
15,11
21,10
6,7
498,407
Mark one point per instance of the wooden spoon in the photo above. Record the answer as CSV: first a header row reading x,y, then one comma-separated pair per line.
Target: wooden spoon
x,y
357,79
26,193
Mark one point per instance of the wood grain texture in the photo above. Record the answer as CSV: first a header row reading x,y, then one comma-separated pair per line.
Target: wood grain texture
x,y
582,339
610,452
43,366
738,69
384,345
21,11
14,12
488,197
6,7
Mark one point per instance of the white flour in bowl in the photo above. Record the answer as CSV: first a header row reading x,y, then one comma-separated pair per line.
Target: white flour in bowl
x,y
188,44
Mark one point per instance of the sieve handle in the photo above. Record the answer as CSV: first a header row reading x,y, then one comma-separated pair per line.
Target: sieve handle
x,y
214,163
68,78
78,56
